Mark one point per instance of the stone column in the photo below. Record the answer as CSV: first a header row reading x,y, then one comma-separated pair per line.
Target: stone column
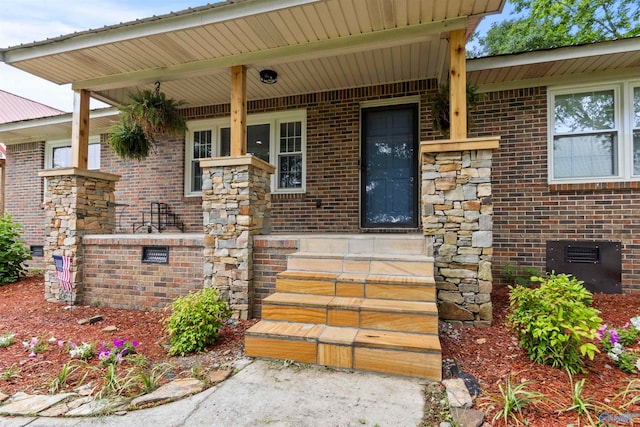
x,y
457,210
236,200
77,202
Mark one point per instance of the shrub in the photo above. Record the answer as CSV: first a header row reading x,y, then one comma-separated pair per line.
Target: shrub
x,y
195,321
519,277
13,252
554,322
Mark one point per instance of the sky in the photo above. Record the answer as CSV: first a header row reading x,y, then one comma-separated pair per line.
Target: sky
x,y
26,21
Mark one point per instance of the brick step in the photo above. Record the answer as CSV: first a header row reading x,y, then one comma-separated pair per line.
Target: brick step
x,y
398,353
388,315
379,286
408,244
367,263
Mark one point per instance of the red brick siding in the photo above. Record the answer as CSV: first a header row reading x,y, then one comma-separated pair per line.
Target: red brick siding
x,y
528,211
24,192
269,259
114,275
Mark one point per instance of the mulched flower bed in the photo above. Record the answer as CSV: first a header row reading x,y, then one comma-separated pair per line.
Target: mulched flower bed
x,y
492,354
24,311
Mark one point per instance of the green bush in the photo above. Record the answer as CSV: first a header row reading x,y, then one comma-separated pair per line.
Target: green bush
x,y
519,277
195,321
13,252
554,322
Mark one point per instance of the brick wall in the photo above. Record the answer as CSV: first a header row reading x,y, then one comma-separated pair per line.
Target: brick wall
x,y
158,178
24,192
114,275
528,211
269,259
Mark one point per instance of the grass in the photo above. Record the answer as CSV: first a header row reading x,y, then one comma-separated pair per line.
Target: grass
x,y
511,400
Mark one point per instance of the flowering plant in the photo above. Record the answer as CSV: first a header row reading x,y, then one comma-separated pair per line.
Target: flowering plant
x,y
34,346
7,339
84,351
614,342
115,353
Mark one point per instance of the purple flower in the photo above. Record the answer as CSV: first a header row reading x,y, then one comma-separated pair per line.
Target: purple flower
x,y
135,343
601,331
60,343
614,338
119,358
118,342
32,354
104,354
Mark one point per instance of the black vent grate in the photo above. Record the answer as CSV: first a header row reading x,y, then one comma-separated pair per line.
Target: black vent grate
x,y
37,251
155,254
582,254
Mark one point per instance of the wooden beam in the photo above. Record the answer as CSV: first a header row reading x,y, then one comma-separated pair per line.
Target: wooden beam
x,y
457,85
80,129
238,111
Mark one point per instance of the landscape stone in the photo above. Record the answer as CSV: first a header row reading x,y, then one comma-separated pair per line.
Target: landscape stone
x,y
218,376
98,407
64,407
467,417
457,393
27,404
90,320
111,328
3,397
171,391
242,363
450,311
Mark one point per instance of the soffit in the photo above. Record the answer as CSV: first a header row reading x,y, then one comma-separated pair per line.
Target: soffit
x,y
313,45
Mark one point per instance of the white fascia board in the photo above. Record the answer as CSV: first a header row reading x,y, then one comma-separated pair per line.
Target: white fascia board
x,y
133,30
558,54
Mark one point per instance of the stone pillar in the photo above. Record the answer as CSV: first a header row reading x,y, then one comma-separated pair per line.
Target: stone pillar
x,y
457,210
77,202
236,200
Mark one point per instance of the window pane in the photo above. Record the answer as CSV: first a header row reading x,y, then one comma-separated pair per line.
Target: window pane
x,y
590,155
290,171
196,176
584,112
258,141
202,144
291,137
636,107
636,152
94,156
61,157
225,142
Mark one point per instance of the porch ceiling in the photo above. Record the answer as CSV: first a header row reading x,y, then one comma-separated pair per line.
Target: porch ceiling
x,y
314,45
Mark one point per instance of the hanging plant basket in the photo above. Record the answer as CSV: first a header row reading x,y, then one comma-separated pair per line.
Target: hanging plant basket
x,y
440,107
147,119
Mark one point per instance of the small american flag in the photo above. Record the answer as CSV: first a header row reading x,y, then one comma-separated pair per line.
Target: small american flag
x,y
63,271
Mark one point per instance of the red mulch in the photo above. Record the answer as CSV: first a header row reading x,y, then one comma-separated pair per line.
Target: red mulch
x,y
24,311
491,354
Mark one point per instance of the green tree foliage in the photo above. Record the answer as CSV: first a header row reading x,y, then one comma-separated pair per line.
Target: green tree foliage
x,y
13,252
542,24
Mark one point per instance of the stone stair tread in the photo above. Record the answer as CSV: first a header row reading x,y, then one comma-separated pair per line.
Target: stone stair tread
x,y
373,256
418,307
286,329
352,277
397,340
352,303
338,335
401,280
307,275
309,300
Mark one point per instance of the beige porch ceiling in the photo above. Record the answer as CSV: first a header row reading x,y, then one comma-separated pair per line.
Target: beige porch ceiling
x,y
314,45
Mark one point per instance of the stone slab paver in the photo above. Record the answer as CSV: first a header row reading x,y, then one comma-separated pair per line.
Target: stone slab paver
x,y
30,404
467,417
98,407
3,397
457,393
174,390
218,376
64,407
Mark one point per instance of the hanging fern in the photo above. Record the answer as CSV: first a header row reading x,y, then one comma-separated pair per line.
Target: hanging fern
x,y
440,107
147,119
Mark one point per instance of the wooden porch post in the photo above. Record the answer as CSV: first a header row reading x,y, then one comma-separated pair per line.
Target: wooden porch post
x,y
80,130
457,85
238,111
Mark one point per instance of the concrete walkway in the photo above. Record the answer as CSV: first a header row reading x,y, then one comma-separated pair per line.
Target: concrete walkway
x,y
267,393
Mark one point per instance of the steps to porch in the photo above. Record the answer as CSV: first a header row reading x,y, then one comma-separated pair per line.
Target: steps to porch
x,y
364,302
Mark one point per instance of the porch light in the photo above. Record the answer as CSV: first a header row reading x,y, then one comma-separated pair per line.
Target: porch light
x,y
268,77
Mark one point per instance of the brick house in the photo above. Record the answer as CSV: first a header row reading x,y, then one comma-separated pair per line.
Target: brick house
x,y
351,217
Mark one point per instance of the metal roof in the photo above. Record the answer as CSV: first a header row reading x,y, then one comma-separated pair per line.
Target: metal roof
x,y
314,45
14,108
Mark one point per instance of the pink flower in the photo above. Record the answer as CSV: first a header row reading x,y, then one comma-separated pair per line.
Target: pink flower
x,y
32,354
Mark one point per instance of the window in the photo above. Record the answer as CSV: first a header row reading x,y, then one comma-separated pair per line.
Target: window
x,y
58,154
594,133
277,138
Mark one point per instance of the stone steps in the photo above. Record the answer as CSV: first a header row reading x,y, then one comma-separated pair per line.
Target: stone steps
x,y
351,303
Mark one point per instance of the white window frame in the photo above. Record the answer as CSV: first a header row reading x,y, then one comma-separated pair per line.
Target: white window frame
x,y
623,116
273,119
50,145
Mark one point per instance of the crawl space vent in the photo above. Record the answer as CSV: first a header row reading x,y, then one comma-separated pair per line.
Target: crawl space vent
x,y
155,254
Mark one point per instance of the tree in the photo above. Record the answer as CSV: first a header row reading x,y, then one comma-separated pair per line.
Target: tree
x,y
543,24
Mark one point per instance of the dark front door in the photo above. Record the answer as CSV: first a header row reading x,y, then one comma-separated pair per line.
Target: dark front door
x,y
390,167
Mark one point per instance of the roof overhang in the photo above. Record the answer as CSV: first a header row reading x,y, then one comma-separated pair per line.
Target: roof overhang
x,y
313,45
571,64
54,127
